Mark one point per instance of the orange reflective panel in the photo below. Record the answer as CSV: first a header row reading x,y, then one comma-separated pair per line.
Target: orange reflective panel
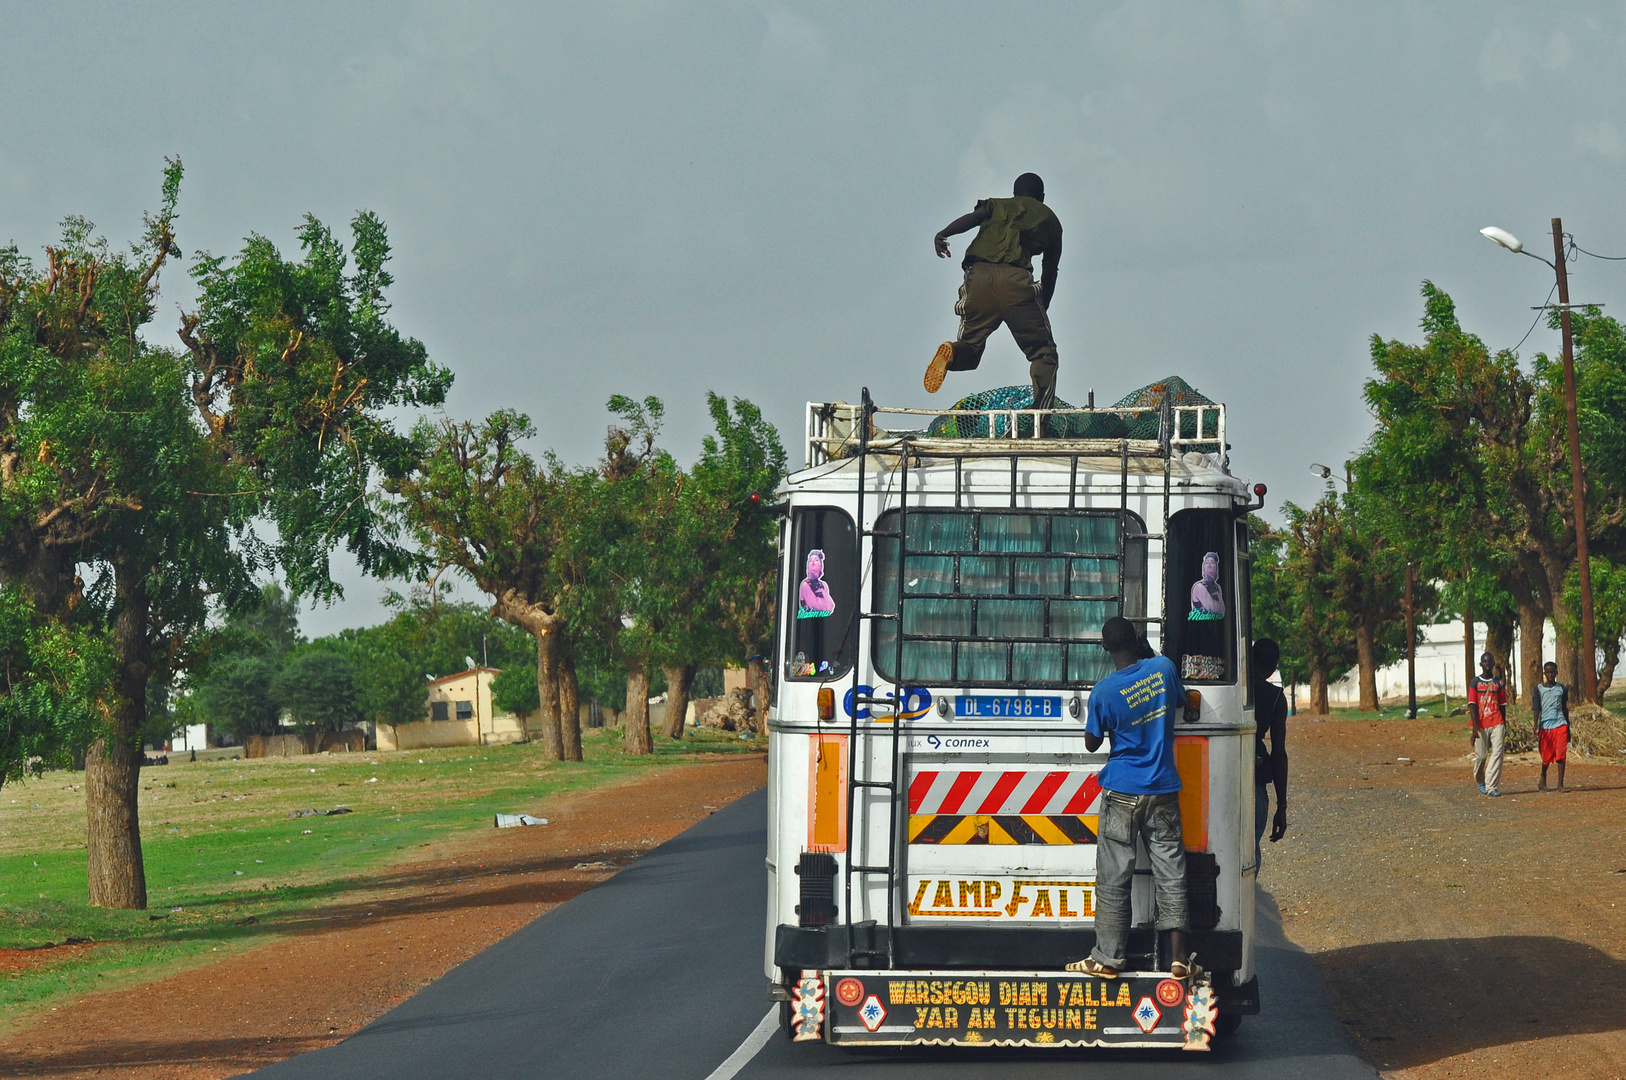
x,y
1191,762
827,794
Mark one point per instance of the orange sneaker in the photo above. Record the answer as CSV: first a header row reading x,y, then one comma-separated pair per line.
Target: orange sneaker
x,y
938,367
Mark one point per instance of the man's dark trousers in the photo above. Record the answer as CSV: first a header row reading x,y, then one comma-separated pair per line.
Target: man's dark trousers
x,y
996,293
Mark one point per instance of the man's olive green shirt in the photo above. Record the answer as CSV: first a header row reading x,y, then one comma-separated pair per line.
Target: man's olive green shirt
x,y
1017,229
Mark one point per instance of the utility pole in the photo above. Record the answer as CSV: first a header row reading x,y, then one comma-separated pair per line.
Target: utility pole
x,y
1589,654
1411,650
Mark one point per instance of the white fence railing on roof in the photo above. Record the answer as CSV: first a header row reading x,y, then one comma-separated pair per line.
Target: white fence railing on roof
x,y
832,429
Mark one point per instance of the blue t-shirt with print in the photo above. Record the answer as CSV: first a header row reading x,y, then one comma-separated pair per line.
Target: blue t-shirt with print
x,y
1136,707
1553,700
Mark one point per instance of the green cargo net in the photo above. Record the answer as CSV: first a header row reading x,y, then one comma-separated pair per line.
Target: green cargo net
x,y
1143,424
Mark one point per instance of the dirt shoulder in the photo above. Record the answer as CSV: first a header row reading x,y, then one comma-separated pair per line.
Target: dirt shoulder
x,y
1460,935
334,969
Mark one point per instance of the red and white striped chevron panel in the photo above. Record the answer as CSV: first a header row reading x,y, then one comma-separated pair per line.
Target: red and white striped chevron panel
x,y
1069,791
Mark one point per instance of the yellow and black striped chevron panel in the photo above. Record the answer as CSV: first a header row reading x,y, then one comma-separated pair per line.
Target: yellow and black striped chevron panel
x,y
1002,828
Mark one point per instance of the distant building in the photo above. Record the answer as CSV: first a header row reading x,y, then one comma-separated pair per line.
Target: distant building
x,y
1440,663
461,713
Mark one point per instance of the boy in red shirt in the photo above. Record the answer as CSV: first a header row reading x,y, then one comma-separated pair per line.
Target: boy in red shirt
x,y
1487,708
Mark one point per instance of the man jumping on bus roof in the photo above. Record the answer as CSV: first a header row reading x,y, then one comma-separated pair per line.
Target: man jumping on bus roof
x,y
1135,706
999,285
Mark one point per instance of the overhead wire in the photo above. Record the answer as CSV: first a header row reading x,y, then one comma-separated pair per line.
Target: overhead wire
x,y
1595,255
1539,314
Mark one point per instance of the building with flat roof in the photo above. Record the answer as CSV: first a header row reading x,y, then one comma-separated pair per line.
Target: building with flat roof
x,y
461,713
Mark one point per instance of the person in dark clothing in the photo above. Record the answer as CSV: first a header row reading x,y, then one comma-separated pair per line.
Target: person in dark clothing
x,y
1269,764
999,286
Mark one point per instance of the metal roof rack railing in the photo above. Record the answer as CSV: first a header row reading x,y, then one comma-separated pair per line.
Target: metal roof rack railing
x,y
833,431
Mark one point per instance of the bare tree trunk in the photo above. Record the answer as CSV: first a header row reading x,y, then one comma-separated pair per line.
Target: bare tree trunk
x,y
1318,692
118,876
1499,643
679,680
1606,671
1367,656
115,869
570,711
756,675
1569,662
1532,628
547,692
547,628
635,721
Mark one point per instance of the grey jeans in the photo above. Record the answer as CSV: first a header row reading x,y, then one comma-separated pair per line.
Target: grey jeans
x,y
1124,819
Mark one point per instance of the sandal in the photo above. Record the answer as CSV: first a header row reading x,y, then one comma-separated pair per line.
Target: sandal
x,y
1185,969
1091,966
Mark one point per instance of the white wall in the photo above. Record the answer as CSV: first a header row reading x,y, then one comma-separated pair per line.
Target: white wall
x,y
1439,667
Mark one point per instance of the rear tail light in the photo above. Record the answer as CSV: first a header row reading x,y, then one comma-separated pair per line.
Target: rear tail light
x,y
827,703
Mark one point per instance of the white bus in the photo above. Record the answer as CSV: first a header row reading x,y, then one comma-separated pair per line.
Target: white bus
x,y
932,808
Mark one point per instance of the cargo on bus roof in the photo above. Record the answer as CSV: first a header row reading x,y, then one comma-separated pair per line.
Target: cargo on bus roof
x,y
1105,425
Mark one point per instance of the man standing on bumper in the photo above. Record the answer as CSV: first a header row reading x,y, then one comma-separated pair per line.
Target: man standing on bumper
x,y
999,285
1135,707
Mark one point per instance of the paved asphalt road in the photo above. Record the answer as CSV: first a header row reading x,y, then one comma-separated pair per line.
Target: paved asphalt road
x,y
657,974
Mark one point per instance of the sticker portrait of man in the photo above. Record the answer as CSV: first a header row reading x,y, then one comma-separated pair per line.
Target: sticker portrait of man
x,y
814,600
1207,601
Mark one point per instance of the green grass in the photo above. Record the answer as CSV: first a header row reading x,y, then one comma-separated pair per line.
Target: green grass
x,y
226,865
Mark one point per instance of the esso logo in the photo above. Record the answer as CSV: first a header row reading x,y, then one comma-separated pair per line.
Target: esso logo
x,y
917,702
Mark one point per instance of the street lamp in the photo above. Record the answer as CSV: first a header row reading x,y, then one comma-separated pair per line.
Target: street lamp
x,y
1589,670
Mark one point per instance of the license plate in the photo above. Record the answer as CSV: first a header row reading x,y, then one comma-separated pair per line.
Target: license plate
x,y
1013,1009
1007,707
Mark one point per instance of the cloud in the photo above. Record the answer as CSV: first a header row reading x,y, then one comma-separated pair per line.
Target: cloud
x,y
1602,137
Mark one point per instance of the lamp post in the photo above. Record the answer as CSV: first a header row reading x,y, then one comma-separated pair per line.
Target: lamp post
x,y
1589,656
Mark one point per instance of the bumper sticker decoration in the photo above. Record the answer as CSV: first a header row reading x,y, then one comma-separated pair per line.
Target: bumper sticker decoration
x,y
1147,1015
873,1013
809,1006
849,991
1200,1015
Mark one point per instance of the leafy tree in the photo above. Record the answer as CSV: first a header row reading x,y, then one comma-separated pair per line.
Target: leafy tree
x,y
1608,613
715,572
514,690
319,688
1274,613
1322,630
153,467
1472,453
610,562
241,696
54,679
480,504
391,690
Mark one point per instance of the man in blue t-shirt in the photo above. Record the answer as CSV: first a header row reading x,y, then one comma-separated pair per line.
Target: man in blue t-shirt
x,y
1135,707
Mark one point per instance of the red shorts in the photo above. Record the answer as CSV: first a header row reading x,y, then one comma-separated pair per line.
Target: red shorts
x,y
1555,744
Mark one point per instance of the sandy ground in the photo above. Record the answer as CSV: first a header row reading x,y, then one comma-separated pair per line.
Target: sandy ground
x,y
339,967
1460,935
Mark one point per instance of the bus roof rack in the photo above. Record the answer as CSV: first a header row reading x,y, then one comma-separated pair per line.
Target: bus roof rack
x,y
833,429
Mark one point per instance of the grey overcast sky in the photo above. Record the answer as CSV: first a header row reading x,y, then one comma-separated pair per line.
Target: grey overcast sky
x,y
661,197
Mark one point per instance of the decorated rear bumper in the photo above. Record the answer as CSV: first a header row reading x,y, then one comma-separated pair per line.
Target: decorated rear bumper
x,y
1002,1008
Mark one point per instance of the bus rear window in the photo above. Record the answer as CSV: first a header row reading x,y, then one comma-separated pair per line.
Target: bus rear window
x,y
996,598
1200,633
821,605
